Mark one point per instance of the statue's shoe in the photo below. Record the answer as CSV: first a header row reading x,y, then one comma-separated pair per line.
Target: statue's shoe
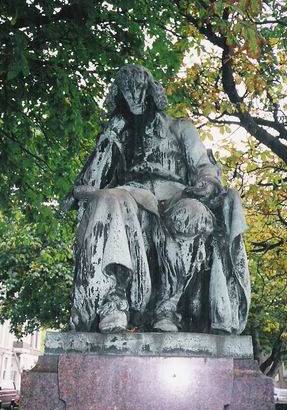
x,y
113,323
165,325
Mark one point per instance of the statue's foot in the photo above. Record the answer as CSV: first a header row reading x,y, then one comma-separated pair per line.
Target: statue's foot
x,y
165,325
220,332
115,322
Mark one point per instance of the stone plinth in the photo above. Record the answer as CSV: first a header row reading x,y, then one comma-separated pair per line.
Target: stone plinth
x,y
151,344
146,371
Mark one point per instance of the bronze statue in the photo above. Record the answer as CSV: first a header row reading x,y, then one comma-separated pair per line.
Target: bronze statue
x,y
159,240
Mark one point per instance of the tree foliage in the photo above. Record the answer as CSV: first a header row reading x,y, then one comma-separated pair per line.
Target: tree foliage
x,y
257,174
241,77
57,58
223,64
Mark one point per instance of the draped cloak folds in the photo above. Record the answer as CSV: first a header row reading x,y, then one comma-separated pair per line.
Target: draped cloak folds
x,y
107,170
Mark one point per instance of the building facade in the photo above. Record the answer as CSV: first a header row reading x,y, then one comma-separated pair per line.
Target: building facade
x,y
15,355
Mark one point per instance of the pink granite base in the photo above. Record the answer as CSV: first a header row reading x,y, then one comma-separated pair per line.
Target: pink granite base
x,y
40,387
145,383
251,389
76,381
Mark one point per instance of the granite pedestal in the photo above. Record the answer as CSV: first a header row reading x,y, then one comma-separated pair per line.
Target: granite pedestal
x,y
161,371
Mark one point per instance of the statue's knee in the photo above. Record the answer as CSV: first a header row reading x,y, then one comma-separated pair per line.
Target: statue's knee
x,y
190,217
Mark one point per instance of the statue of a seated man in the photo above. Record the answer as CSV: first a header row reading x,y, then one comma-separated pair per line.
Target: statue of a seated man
x,y
159,241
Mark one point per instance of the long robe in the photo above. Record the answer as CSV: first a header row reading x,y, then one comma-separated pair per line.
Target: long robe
x,y
116,228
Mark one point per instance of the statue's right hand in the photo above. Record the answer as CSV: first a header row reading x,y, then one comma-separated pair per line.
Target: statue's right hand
x,y
84,192
116,124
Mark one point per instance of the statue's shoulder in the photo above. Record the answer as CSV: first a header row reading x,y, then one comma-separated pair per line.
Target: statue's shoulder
x,y
182,127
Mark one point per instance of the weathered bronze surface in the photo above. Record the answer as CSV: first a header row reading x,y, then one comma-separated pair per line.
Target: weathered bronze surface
x,y
159,241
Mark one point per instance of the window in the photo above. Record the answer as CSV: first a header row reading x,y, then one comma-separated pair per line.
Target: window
x,y
14,375
5,368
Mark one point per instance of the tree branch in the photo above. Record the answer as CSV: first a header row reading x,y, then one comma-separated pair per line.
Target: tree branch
x,y
273,360
257,350
24,149
271,124
246,119
204,29
271,21
229,86
265,246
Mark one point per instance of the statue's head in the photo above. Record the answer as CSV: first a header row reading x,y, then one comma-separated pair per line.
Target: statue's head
x,y
137,86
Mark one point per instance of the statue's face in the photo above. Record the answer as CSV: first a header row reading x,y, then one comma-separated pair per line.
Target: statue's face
x,y
133,85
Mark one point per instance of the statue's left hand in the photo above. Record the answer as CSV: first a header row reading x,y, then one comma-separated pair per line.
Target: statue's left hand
x,y
202,189
206,191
